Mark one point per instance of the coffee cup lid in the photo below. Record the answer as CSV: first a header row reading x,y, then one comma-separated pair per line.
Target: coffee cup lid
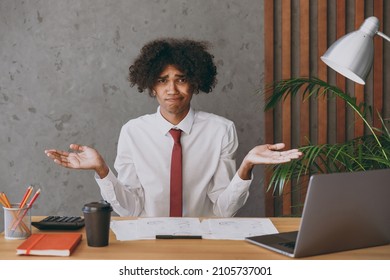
x,y
97,206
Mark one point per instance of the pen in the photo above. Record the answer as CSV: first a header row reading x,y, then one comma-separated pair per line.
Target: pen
x,y
168,236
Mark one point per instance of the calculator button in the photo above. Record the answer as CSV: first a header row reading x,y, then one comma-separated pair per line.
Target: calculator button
x,y
60,223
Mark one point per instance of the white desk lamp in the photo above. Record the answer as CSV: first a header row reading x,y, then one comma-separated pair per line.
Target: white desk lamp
x,y
352,55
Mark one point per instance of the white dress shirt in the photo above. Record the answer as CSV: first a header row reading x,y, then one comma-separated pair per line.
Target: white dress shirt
x,y
211,186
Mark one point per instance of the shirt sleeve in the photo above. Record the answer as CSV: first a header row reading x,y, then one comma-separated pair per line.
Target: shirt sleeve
x,y
124,192
228,191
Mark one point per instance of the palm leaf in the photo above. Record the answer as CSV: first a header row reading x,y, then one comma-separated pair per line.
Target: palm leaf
x,y
367,152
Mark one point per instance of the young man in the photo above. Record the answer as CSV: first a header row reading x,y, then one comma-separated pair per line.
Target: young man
x,y
172,71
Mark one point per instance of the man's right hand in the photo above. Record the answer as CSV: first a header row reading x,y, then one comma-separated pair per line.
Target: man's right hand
x,y
84,157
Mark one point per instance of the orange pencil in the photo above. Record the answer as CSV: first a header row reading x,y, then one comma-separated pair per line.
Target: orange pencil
x,y
5,199
26,196
34,198
30,204
2,201
23,203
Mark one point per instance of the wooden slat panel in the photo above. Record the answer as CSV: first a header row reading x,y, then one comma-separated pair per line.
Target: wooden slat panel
x,y
343,16
359,89
340,79
378,67
304,71
322,71
286,105
268,79
304,67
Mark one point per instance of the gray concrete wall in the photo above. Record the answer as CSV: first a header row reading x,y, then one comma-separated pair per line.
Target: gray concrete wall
x,y
63,80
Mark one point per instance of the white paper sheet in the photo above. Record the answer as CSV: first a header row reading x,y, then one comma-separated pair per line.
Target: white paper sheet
x,y
229,228
148,228
236,228
125,229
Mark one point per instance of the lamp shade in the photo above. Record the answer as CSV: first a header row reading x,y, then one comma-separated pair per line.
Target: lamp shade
x,y
352,55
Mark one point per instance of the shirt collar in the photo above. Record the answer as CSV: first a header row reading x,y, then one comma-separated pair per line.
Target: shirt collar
x,y
185,125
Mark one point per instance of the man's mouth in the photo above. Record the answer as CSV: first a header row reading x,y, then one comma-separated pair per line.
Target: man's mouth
x,y
173,99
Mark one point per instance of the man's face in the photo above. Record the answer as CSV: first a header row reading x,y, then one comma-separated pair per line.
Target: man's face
x,y
173,93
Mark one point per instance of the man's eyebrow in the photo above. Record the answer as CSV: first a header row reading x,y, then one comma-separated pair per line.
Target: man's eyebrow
x,y
167,76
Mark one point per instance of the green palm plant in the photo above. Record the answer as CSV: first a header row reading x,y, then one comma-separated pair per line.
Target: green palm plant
x,y
371,151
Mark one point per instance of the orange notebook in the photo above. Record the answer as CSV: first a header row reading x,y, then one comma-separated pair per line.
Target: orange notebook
x,y
49,244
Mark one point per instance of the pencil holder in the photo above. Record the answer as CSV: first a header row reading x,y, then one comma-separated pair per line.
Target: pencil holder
x,y
17,222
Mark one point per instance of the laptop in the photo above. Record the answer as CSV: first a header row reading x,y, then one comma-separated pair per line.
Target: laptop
x,y
342,211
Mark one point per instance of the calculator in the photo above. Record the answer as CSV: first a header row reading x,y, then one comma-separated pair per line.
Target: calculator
x,y
60,222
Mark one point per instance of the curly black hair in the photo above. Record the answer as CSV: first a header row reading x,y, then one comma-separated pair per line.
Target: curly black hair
x,y
190,57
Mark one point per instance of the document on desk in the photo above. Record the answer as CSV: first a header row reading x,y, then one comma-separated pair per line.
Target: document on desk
x,y
236,228
125,229
229,228
148,228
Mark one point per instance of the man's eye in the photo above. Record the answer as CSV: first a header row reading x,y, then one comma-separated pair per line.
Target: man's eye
x,y
183,80
161,81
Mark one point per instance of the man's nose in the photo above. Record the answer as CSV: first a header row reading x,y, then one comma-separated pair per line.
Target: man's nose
x,y
171,88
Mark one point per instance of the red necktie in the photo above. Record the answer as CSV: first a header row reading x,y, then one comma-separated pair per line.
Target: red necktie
x,y
176,193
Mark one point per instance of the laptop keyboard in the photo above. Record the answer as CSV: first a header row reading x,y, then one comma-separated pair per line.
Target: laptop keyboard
x,y
290,244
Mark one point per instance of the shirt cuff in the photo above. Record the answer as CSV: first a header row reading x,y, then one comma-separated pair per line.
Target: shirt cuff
x,y
240,184
106,182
